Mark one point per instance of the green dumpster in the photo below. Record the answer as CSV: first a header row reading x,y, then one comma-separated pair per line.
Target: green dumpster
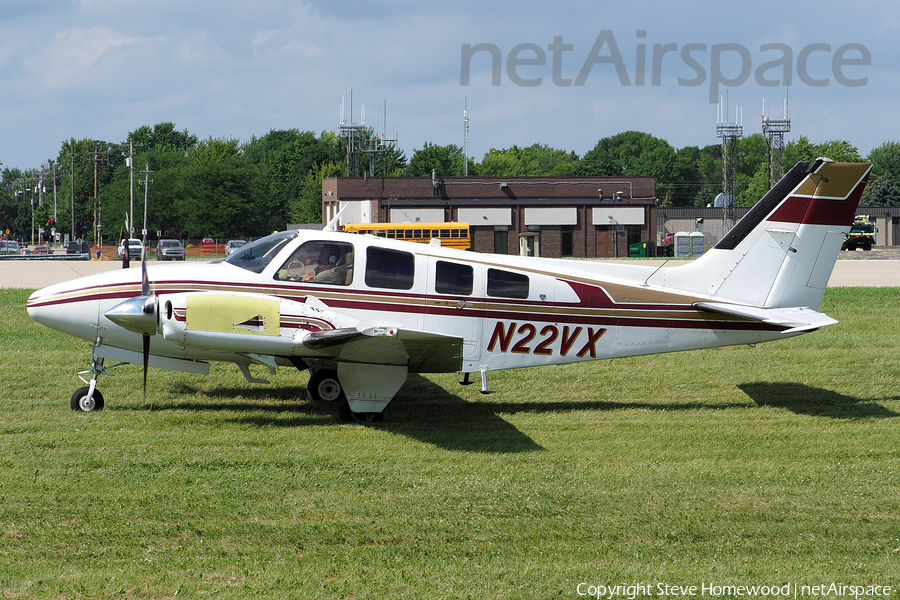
x,y
638,250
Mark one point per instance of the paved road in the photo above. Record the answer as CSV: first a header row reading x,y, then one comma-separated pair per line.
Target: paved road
x,y
869,269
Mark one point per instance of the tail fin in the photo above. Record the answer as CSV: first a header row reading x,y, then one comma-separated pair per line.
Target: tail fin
x,y
782,252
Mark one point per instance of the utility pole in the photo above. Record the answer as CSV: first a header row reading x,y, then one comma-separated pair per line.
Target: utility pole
x,y
147,182
98,211
131,189
72,162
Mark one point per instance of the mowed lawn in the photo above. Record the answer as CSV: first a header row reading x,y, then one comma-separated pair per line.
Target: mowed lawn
x,y
769,465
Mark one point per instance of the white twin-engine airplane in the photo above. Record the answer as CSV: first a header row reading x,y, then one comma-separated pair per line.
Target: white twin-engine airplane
x,y
361,312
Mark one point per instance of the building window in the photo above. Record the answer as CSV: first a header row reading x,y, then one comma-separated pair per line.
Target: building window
x,y
501,242
567,243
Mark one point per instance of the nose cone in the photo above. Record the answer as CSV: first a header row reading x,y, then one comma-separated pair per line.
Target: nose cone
x,y
72,307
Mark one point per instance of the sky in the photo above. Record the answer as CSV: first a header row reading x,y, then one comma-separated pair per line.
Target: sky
x,y
560,74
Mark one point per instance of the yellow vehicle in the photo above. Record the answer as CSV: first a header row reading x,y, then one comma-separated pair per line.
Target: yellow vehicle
x,y
452,235
862,234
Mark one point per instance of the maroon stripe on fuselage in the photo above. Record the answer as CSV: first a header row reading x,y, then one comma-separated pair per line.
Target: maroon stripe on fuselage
x,y
492,308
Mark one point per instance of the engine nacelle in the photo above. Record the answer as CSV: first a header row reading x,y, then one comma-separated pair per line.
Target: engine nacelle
x,y
244,323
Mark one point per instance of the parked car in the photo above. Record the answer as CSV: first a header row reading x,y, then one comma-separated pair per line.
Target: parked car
x,y
135,247
207,241
233,245
169,250
9,247
42,250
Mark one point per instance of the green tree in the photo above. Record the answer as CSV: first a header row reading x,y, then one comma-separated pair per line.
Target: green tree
x,y
445,161
214,191
634,153
161,135
884,158
756,187
752,151
307,207
839,151
86,158
884,192
534,160
504,163
797,150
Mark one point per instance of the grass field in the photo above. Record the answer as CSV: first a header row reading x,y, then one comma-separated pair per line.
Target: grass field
x,y
767,465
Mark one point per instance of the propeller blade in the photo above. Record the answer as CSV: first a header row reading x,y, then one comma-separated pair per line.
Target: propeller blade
x,y
145,280
150,307
146,364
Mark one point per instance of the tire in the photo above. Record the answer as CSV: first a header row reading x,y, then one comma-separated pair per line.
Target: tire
x,y
324,386
80,401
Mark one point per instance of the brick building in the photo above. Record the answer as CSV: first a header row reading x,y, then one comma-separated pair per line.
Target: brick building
x,y
536,216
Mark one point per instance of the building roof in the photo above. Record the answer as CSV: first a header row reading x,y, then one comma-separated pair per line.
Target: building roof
x,y
424,191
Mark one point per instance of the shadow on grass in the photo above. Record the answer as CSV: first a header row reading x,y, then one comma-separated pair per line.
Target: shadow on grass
x,y
422,410
265,407
804,400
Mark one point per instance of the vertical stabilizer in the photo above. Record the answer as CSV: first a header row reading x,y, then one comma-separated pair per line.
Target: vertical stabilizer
x,y
782,252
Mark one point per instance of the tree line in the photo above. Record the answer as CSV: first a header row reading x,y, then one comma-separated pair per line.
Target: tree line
x,y
225,188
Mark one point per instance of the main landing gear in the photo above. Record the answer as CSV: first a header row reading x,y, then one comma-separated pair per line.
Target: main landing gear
x,y
324,386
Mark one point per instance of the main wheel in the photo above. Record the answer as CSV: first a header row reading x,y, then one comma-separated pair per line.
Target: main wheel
x,y
324,386
80,400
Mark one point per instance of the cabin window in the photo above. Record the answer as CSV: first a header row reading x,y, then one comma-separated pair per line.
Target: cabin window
x,y
319,262
389,269
505,284
453,278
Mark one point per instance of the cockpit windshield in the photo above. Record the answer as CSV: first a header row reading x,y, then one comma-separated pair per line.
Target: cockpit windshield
x,y
257,255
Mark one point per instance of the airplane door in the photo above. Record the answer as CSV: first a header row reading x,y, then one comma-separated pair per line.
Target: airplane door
x,y
451,305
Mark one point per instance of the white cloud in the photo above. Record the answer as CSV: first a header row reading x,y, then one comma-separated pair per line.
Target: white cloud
x,y
100,68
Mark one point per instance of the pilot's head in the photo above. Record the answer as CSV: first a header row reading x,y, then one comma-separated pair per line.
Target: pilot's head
x,y
328,255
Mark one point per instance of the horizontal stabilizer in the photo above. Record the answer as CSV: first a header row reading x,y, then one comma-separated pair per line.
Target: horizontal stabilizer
x,y
796,319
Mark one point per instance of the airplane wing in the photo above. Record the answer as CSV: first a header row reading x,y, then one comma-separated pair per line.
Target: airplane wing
x,y
389,345
796,319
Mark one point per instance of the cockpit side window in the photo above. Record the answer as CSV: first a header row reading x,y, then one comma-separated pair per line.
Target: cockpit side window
x,y
319,262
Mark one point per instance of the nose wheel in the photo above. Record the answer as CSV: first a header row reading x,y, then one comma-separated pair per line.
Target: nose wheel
x,y
88,398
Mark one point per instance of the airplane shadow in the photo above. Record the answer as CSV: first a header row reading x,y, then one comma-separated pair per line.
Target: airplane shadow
x,y
422,410
816,402
427,412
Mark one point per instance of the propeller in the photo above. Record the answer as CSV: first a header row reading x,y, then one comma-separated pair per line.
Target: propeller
x,y
139,315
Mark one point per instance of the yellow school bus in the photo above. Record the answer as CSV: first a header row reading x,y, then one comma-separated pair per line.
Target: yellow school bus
x,y
452,235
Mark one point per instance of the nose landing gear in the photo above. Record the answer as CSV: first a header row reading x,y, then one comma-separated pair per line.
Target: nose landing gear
x,y
88,398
